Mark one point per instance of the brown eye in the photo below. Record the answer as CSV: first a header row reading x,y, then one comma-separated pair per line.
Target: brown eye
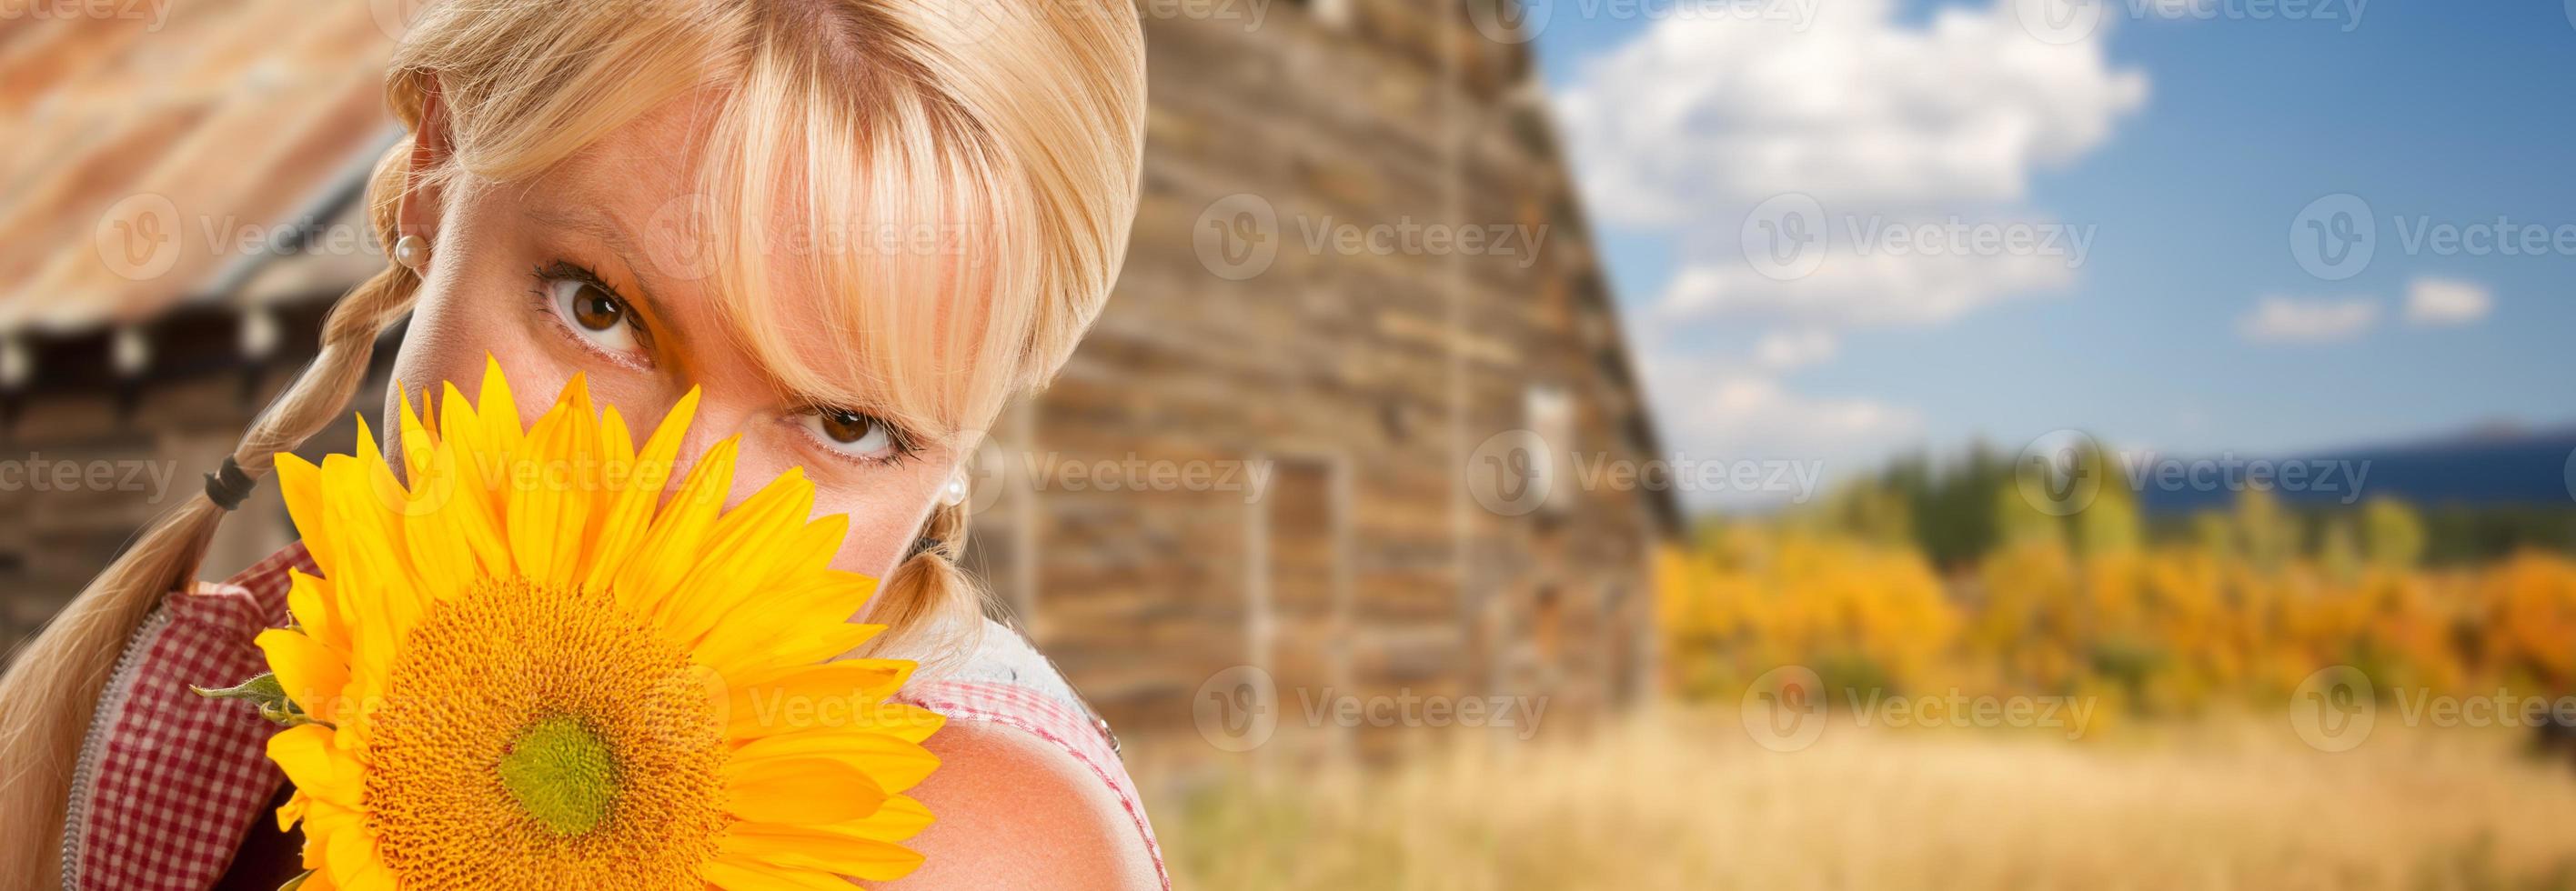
x,y
846,426
851,433
597,310
595,314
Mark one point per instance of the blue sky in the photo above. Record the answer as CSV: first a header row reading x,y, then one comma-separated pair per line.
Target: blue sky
x,y
2188,150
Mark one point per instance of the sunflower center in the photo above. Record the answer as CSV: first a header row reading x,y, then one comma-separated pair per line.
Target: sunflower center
x,y
562,774
534,737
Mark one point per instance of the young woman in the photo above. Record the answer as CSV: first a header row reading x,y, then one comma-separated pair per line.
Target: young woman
x,y
860,226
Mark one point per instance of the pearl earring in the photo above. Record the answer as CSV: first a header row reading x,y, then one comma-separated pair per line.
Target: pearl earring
x,y
411,251
955,494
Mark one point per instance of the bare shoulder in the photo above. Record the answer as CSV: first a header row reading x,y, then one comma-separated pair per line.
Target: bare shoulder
x,y
1016,811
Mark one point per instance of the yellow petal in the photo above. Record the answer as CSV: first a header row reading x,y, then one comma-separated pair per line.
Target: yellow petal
x,y
352,862
797,607
816,644
800,790
326,823
300,483
671,545
901,817
305,753
896,764
374,593
580,453
537,511
500,415
859,858
837,694
737,556
639,491
311,674
439,536
296,806
746,874
417,444
309,600
470,513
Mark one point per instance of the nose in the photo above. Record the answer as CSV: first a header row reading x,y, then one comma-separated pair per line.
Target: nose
x,y
715,420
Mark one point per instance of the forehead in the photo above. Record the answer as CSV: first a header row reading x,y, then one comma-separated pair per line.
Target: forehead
x,y
850,261
640,193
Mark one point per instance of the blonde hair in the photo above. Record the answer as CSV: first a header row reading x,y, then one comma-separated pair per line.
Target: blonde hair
x,y
1009,132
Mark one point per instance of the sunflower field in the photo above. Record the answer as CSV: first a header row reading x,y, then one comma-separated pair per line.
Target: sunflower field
x,y
2221,608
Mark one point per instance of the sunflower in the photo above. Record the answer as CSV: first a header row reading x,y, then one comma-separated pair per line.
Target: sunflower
x,y
523,667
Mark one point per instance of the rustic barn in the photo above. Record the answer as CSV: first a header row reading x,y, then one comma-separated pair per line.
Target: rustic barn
x,y
1302,439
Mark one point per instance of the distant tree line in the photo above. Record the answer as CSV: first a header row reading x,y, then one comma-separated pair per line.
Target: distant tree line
x,y
1957,509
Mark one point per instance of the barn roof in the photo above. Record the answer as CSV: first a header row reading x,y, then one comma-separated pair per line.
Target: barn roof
x,y
155,153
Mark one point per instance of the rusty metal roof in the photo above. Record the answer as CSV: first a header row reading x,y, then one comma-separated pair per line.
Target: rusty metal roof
x,y
155,147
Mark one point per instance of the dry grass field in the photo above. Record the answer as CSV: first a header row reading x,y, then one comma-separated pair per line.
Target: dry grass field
x,y
1686,801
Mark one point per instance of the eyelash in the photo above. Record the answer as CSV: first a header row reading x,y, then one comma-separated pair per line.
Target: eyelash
x,y
562,270
900,445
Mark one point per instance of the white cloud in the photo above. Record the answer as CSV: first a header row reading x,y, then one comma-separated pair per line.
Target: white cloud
x,y
1757,410
1784,350
1712,412
1716,112
1851,289
1886,126
2443,301
2277,319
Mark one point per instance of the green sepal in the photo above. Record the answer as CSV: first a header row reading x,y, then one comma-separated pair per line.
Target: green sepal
x,y
265,692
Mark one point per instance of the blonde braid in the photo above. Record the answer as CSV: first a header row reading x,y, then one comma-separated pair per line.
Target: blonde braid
x,y
926,593
50,692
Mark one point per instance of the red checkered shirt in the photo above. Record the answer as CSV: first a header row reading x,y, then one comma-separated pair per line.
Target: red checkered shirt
x,y
169,783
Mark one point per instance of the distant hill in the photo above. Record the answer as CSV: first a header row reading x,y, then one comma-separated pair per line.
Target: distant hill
x,y
2496,465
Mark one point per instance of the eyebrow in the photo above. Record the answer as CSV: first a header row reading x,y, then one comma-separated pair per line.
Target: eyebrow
x,y
589,222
